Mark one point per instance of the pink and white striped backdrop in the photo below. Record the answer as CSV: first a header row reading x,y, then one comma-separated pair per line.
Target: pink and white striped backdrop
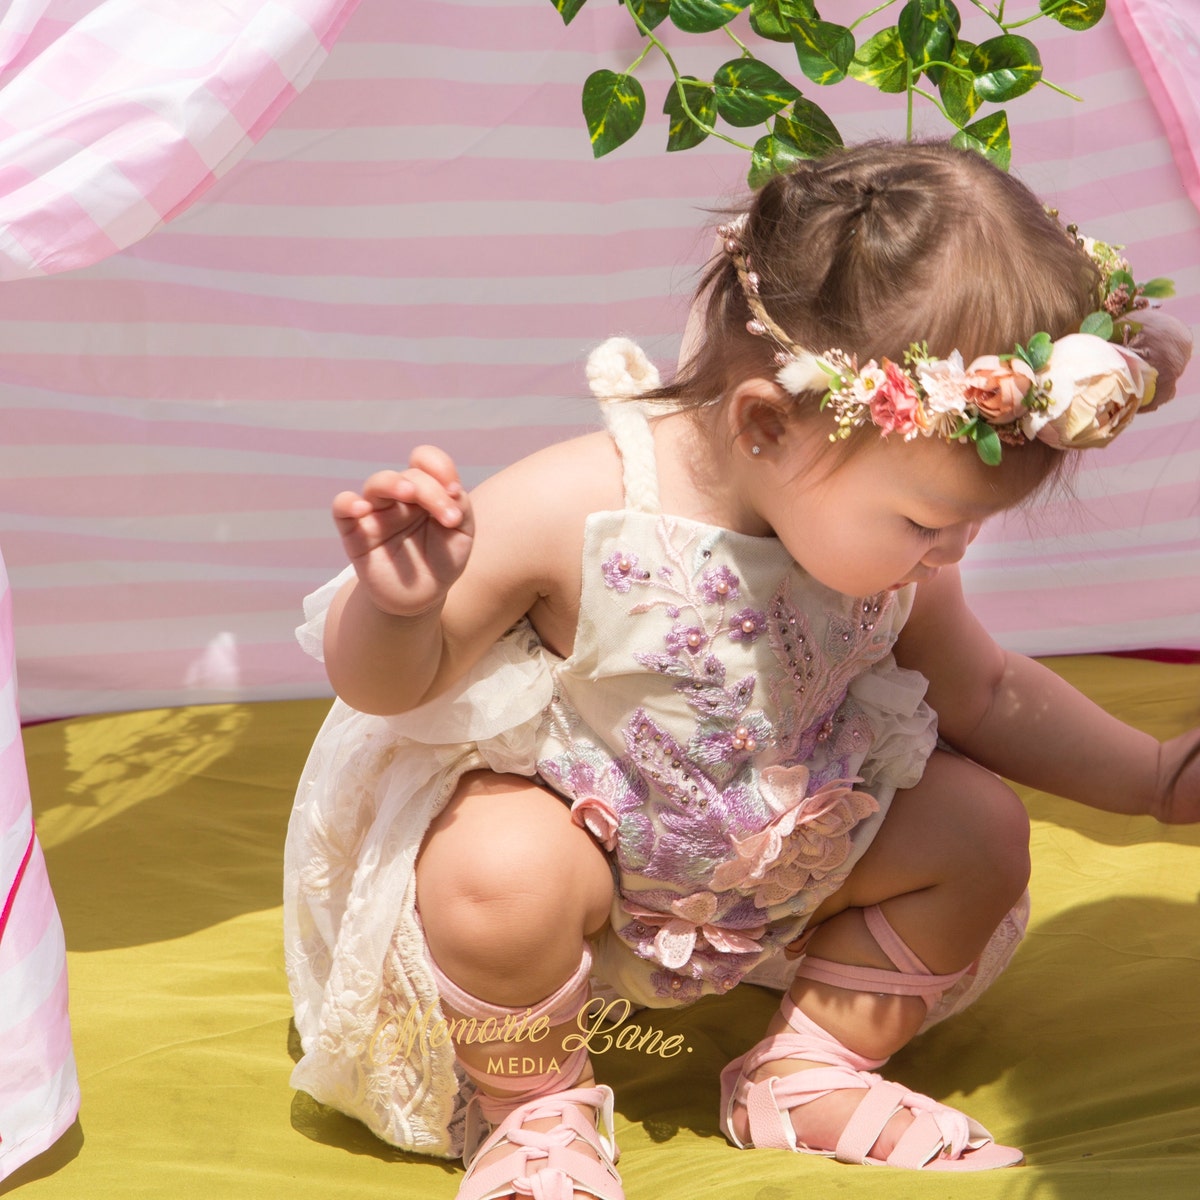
x,y
421,248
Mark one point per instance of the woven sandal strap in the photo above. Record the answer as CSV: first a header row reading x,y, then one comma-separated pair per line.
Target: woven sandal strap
x,y
910,978
882,1101
552,1148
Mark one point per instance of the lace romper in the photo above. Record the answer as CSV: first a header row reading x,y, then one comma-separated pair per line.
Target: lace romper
x,y
731,730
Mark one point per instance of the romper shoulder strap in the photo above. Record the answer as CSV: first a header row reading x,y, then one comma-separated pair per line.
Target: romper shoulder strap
x,y
619,370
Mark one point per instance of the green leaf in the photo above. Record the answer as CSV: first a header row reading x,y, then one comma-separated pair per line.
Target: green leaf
x,y
770,157
1005,67
928,29
825,50
651,13
683,133
750,92
614,107
987,443
703,16
1037,353
1158,287
568,8
989,137
807,130
957,90
769,18
1117,278
1075,14
807,133
880,62
1098,323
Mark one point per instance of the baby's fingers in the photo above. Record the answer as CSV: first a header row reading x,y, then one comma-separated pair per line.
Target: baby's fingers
x,y
437,463
403,490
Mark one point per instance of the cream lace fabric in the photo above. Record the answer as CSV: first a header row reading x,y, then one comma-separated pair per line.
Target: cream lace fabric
x,y
729,729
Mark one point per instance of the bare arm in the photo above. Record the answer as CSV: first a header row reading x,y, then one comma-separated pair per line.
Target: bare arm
x,y
1017,718
439,577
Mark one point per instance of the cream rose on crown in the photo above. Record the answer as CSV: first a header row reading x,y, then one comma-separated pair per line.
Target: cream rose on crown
x,y
1093,387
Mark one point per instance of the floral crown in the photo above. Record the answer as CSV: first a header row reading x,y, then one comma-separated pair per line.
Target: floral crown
x,y
1077,392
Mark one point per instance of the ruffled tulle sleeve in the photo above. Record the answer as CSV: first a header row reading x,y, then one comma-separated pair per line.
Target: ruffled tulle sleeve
x,y
311,635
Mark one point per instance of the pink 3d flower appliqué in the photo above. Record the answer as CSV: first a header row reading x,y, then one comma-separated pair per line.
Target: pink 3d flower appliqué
x,y
599,818
809,838
690,918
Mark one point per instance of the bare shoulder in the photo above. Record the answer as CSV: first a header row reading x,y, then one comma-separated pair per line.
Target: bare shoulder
x,y
553,490
529,521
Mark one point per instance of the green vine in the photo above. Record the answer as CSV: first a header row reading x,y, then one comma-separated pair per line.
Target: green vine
x,y
926,42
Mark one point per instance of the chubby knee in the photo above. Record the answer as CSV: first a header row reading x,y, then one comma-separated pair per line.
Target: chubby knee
x,y
507,884
994,832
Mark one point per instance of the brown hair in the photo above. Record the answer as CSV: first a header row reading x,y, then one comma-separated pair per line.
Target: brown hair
x,y
873,248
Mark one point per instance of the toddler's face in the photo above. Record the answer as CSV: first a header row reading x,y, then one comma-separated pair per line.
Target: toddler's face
x,y
895,513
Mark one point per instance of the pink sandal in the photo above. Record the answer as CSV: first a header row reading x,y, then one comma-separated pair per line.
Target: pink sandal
x,y
566,1170
940,1138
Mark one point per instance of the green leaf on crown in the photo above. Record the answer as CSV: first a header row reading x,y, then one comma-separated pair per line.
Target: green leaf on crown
x,y
823,49
1074,14
880,62
614,107
683,133
928,30
750,92
989,137
1120,278
1037,353
703,16
1005,67
1158,288
568,8
1099,324
987,443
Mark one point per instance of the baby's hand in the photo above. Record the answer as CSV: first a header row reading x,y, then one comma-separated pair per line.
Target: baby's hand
x,y
409,533
1177,801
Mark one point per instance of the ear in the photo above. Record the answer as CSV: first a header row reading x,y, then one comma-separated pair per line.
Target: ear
x,y
758,416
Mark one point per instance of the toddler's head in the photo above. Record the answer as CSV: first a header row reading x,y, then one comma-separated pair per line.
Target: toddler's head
x,y
875,249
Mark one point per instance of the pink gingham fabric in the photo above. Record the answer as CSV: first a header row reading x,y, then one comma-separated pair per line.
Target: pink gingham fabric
x,y
1163,37
39,1089
116,115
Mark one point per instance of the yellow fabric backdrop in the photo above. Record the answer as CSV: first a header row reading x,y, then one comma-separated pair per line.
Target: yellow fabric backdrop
x,y
164,831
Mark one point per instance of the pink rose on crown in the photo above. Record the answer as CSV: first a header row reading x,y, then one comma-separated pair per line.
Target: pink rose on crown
x,y
998,388
1094,389
895,405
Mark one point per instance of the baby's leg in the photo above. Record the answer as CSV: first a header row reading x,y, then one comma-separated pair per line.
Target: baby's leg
x,y
508,888
949,862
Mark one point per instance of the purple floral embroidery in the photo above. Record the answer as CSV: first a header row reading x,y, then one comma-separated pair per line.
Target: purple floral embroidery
x,y
718,584
618,570
691,638
745,626
667,983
